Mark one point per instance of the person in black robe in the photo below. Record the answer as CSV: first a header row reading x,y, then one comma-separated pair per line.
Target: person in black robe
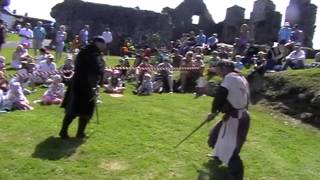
x,y
80,98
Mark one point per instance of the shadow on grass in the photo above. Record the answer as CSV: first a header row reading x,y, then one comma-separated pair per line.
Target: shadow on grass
x,y
54,148
212,170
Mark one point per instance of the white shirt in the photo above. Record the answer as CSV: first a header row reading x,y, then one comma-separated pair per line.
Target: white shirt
x,y
45,67
41,58
297,55
107,35
238,89
26,33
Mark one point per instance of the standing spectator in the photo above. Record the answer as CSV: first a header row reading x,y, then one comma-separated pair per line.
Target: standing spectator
x,y
2,34
61,36
107,35
296,59
27,35
84,35
213,42
297,35
285,33
201,39
39,35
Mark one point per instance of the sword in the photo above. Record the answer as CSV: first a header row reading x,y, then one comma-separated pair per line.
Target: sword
x,y
195,130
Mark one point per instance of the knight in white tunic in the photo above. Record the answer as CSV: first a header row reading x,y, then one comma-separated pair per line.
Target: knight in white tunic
x,y
228,136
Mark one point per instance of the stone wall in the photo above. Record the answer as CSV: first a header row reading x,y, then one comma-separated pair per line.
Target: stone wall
x,y
124,22
265,22
182,14
303,13
231,25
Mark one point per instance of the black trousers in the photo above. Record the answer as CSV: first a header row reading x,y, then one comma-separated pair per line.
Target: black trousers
x,y
235,166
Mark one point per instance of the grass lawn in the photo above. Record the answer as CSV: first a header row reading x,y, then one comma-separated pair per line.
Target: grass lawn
x,y
302,78
136,137
13,37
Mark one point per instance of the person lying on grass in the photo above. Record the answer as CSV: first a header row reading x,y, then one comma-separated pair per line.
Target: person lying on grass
x,y
115,84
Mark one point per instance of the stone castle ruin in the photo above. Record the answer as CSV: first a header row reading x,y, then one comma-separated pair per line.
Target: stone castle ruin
x,y
125,22
303,13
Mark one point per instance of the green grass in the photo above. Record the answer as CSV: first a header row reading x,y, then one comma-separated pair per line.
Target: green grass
x,y
13,37
309,78
136,137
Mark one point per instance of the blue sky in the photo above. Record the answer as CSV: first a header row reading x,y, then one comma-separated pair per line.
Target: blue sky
x,y
217,10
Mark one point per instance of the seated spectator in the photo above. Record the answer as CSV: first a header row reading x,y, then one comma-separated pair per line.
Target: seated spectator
x,y
176,58
2,63
261,58
25,77
224,53
17,98
55,93
142,69
285,33
201,39
297,35
213,42
186,74
198,51
124,63
44,69
296,59
213,64
115,83
43,55
165,76
250,51
67,70
5,104
20,54
198,62
238,62
3,82
146,87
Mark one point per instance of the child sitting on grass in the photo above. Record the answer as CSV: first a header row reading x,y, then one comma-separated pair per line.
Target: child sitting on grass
x,y
115,84
55,93
146,87
17,98
67,69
